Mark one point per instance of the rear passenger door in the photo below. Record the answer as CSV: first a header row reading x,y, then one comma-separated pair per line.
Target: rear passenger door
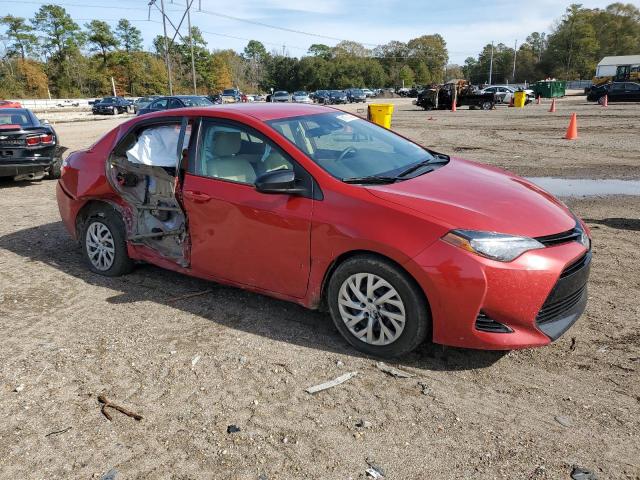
x,y
237,233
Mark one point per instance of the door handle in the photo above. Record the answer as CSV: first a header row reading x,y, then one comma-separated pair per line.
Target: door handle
x,y
196,196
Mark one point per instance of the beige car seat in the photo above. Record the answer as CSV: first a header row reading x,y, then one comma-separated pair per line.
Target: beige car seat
x,y
222,159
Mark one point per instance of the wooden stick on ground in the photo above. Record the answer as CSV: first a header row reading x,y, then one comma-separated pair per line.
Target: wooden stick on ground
x,y
106,403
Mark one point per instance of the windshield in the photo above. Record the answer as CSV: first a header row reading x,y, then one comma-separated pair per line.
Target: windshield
x,y
348,147
357,91
196,101
108,100
299,94
229,91
281,94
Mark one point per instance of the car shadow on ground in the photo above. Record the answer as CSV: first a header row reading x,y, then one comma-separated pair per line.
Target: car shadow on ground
x,y
228,306
632,224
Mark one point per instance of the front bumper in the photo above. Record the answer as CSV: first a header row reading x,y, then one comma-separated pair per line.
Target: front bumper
x,y
537,297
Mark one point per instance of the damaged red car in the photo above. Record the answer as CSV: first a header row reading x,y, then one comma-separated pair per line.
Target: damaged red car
x,y
316,206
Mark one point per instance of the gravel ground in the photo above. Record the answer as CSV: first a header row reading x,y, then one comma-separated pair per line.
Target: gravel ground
x,y
193,367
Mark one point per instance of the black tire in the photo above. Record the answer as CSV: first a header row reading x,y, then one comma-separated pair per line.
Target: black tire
x,y
418,317
55,170
487,106
112,220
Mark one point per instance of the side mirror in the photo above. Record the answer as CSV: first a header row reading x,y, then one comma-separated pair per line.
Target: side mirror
x,y
278,181
44,121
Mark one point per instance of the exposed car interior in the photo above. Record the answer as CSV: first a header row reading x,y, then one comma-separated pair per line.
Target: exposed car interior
x,y
232,154
142,169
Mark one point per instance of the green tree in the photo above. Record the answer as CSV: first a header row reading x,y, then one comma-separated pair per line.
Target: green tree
x,y
255,51
128,36
61,33
431,50
320,50
23,41
407,76
101,38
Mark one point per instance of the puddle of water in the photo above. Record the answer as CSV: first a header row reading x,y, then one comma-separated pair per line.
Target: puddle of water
x,y
582,187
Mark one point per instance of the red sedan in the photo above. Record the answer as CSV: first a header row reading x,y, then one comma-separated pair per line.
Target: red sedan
x,y
319,207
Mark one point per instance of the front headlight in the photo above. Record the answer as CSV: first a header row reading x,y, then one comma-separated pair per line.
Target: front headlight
x,y
496,246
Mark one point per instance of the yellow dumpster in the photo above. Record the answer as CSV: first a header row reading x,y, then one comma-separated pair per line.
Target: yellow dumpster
x,y
381,114
519,99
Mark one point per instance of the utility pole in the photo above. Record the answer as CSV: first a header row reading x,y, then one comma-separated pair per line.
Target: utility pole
x,y
166,45
491,65
515,54
193,62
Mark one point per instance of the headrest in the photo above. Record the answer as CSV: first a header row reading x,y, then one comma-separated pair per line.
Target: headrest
x,y
226,144
16,119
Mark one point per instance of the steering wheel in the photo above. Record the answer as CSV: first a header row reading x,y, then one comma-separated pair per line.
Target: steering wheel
x,y
345,152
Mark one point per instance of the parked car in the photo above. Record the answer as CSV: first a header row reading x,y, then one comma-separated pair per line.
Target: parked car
x,y
280,201
10,104
321,96
143,102
504,93
337,97
259,97
356,95
280,96
231,95
616,92
28,147
68,103
368,92
176,101
301,97
110,106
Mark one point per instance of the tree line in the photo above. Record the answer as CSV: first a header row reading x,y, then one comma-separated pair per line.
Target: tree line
x,y
571,51
50,54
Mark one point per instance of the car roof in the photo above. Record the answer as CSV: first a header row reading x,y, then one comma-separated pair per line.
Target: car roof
x,y
260,111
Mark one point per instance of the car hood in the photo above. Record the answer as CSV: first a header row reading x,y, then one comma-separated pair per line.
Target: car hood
x,y
467,195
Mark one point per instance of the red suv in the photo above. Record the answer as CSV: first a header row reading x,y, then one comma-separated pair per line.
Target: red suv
x,y
319,207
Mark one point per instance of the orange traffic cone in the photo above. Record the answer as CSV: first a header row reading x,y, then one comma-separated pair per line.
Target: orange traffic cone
x,y
511,104
453,105
605,101
572,131
553,106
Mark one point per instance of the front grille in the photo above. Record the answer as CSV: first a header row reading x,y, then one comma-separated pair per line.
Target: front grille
x,y
487,324
576,266
572,235
552,310
568,291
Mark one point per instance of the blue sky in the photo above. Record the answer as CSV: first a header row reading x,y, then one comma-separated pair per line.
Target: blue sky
x,y
466,25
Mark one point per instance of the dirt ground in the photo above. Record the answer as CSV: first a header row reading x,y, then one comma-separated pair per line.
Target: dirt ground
x,y
193,367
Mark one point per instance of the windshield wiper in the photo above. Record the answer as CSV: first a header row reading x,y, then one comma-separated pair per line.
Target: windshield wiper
x,y
414,167
370,179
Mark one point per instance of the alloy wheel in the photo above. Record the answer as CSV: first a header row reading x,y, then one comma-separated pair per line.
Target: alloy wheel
x,y
371,309
100,246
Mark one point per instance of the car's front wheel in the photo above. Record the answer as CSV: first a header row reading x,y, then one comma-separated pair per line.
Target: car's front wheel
x,y
104,245
377,307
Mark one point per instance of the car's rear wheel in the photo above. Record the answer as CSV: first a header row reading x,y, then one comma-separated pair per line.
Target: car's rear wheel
x,y
377,307
487,105
104,245
55,170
